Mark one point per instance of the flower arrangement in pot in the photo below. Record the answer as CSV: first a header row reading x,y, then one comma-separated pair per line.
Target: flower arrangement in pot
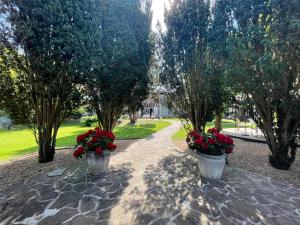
x,y
211,149
96,145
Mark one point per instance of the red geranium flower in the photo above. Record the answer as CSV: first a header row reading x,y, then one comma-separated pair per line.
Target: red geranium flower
x,y
76,154
99,133
213,130
79,151
80,138
90,144
221,138
94,139
229,150
99,151
111,146
195,134
111,136
229,140
211,141
204,146
199,140
89,132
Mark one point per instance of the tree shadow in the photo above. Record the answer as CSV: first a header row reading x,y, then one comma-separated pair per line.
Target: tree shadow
x,y
168,184
75,198
176,194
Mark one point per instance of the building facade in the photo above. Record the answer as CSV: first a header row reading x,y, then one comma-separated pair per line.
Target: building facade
x,y
155,107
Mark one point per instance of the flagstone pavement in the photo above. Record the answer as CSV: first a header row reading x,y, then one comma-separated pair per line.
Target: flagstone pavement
x,y
150,183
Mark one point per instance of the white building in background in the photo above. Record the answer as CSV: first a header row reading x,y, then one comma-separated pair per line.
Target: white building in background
x,y
155,107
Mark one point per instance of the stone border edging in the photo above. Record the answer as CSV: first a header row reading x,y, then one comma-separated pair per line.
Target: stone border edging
x,y
248,138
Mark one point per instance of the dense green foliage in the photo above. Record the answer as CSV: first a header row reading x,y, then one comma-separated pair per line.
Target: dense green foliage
x,y
192,51
122,77
263,64
42,45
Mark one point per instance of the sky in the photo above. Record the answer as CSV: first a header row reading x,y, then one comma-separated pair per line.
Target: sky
x,y
158,12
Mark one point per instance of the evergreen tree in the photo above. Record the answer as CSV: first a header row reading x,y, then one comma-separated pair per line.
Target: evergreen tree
x,y
43,44
264,64
122,79
188,74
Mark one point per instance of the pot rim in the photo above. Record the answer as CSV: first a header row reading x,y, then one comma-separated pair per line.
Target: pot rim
x,y
211,156
92,154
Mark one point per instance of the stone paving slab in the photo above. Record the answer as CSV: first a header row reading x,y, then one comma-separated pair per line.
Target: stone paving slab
x,y
157,185
76,198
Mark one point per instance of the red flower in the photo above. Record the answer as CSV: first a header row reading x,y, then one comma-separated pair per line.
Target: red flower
x,y
109,135
80,149
229,140
195,134
90,144
76,154
204,146
221,138
94,139
199,140
99,133
229,150
213,130
80,138
89,132
211,141
99,151
111,146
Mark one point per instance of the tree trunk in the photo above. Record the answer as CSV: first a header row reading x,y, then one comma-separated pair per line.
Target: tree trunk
x,y
280,158
133,117
108,118
218,121
46,149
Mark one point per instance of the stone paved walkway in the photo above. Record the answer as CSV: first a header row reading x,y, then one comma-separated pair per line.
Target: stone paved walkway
x,y
152,183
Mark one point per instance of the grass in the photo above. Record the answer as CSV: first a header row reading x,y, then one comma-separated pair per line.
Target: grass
x,y
181,134
20,141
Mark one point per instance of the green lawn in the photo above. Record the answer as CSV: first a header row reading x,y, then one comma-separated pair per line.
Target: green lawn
x,y
181,134
20,141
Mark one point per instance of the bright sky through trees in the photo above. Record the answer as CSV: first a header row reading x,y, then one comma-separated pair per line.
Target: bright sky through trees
x,y
158,7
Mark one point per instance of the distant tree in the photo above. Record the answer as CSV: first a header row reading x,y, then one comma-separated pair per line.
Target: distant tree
x,y
264,64
218,33
43,52
190,78
122,79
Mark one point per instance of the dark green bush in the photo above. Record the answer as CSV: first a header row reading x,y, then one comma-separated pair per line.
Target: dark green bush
x,y
89,122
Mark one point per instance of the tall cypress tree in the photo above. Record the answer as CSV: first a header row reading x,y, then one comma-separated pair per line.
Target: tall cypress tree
x,y
47,41
125,29
187,74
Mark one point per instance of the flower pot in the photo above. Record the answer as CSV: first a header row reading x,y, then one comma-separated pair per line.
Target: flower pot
x,y
97,164
211,166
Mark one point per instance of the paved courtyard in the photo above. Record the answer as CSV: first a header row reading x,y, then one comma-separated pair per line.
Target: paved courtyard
x,y
151,182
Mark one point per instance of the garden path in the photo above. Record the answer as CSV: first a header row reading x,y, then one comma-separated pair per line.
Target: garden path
x,y
154,183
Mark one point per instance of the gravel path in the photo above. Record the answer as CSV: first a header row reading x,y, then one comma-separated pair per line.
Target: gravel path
x,y
254,157
15,171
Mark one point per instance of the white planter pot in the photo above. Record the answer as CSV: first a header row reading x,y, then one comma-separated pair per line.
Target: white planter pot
x,y
211,166
97,164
